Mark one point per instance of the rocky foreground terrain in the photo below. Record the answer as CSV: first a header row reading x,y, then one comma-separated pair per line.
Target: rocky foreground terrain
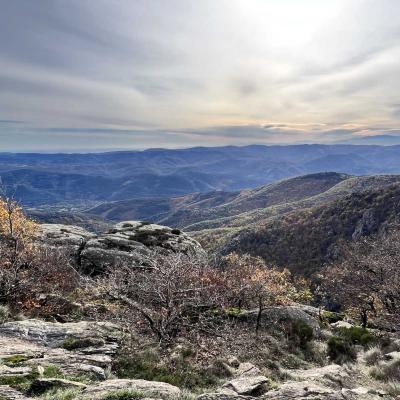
x,y
39,356
74,356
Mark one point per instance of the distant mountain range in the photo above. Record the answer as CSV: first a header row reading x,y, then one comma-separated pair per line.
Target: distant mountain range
x,y
48,179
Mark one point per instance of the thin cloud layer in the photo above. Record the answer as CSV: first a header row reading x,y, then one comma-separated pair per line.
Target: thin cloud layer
x,y
152,73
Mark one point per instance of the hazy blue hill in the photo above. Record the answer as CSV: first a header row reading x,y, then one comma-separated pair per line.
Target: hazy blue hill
x,y
39,179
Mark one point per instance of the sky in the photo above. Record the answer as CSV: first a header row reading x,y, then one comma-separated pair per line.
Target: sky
x,y
131,74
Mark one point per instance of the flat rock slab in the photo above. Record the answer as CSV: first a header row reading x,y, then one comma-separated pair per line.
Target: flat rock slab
x,y
223,396
54,333
151,389
246,385
302,391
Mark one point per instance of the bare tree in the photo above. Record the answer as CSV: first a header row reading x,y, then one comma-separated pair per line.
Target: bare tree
x,y
367,279
172,293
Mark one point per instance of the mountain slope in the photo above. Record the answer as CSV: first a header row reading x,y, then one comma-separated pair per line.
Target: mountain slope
x,y
305,239
199,207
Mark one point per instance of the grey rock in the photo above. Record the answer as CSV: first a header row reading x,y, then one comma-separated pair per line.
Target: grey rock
x,y
131,242
246,369
39,342
367,224
148,388
14,371
246,385
341,324
54,333
274,316
223,396
10,393
303,391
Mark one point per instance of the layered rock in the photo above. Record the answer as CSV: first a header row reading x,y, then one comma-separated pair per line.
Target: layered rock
x,y
131,242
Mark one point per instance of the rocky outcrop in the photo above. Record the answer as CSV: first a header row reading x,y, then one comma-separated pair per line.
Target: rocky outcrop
x,y
53,334
278,315
131,242
74,348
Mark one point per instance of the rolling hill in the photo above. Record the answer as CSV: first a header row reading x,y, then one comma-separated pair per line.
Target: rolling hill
x,y
48,179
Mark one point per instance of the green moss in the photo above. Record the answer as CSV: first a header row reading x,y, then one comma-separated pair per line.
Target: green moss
x,y
52,371
74,344
124,395
332,317
15,361
232,311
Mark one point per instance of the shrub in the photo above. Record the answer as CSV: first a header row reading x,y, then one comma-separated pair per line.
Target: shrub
x,y
373,356
357,335
149,366
340,350
4,313
387,372
300,333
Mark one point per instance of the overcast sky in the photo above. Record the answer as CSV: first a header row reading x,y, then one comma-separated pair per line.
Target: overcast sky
x,y
114,74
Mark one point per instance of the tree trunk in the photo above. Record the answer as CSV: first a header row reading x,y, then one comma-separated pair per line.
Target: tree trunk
x,y
260,309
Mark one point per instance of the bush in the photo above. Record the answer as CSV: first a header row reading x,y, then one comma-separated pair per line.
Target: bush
x,y
373,356
300,333
340,350
387,372
4,313
357,335
149,366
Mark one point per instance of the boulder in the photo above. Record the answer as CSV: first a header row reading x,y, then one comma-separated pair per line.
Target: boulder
x,y
280,315
148,388
302,391
246,385
131,242
331,375
341,325
246,369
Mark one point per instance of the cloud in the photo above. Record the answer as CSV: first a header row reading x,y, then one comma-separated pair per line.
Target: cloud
x,y
186,72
